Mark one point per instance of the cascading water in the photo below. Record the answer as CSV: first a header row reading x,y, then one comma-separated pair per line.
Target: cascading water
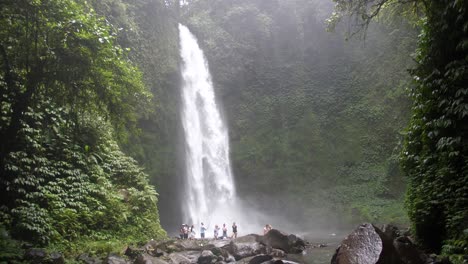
x,y
210,192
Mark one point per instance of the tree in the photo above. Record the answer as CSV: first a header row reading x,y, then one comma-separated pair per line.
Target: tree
x,y
435,150
67,92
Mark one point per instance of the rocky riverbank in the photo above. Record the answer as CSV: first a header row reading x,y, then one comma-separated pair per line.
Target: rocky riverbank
x,y
367,244
274,247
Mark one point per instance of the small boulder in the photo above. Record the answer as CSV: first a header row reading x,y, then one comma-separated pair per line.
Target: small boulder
x,y
56,258
35,255
207,257
230,259
114,259
86,259
177,258
133,252
148,259
277,253
260,259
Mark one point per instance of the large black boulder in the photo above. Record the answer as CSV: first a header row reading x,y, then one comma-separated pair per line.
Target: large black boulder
x,y
366,245
279,240
244,247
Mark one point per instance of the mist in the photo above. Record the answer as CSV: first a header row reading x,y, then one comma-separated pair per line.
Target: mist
x,y
305,109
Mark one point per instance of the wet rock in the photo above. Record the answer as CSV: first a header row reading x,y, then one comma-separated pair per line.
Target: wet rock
x,y
219,252
56,258
148,259
114,259
35,255
277,253
408,252
260,259
366,245
391,231
245,247
85,258
177,258
134,252
288,243
207,257
277,261
230,259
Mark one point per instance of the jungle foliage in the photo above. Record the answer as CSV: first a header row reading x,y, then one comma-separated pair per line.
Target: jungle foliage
x,y
435,150
314,120
148,28
69,95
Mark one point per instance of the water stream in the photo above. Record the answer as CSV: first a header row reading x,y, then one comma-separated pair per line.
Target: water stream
x,y
210,194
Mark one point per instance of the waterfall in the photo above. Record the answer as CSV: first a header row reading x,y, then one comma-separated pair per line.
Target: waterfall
x,y
210,194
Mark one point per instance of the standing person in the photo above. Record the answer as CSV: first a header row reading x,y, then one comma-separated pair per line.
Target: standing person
x,y
216,230
224,231
186,230
234,230
192,232
181,232
266,229
202,230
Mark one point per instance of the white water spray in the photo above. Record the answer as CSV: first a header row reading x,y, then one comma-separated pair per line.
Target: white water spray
x,y
210,191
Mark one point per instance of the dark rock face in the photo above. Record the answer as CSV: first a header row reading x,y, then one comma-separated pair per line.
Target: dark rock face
x,y
408,251
277,253
56,258
35,255
178,259
85,258
391,231
207,257
288,243
260,259
366,245
134,252
148,259
114,259
245,247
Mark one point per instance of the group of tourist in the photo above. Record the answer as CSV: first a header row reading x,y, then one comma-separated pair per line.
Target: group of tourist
x,y
188,232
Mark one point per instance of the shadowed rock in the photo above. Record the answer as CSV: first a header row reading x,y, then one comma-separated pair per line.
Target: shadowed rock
x,y
279,240
207,257
148,259
114,259
366,245
408,251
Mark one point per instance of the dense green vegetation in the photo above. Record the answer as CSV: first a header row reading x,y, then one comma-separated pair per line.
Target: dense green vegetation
x,y
314,120
435,152
319,126
149,29
69,94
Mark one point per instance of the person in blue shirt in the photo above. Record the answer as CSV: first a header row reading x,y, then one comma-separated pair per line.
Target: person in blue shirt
x,y
202,230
